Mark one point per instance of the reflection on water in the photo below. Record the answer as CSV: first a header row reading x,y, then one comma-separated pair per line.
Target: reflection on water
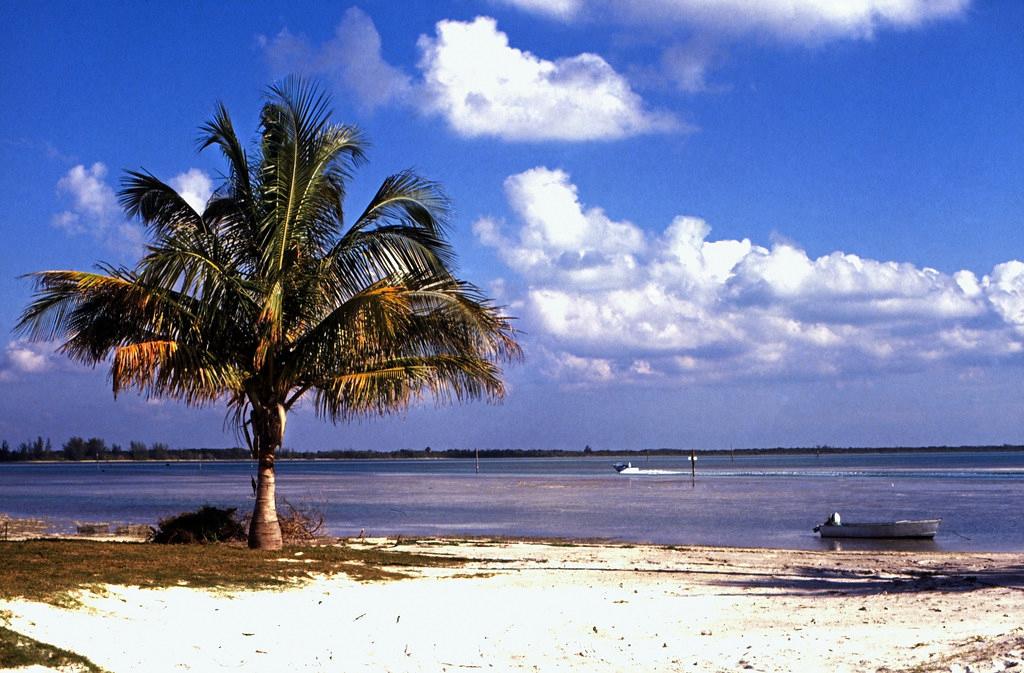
x,y
752,501
856,544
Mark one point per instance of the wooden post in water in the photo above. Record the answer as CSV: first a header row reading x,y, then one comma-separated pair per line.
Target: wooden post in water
x,y
478,460
693,468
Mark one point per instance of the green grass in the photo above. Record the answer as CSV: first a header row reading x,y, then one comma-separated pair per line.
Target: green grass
x,y
51,570
17,651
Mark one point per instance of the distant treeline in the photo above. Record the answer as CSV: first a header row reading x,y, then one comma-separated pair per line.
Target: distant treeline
x,y
78,449
587,451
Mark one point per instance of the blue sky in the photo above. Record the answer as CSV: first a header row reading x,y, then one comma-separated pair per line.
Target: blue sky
x,y
719,223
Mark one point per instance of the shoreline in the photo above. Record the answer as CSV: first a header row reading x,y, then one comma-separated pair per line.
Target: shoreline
x,y
13,529
520,605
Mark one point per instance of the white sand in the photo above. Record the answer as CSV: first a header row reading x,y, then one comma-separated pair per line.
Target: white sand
x,y
536,607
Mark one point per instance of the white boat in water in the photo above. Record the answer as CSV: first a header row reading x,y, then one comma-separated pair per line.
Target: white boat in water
x,y
628,468
907,529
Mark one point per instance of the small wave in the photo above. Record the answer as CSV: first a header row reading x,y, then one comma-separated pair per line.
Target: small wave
x,y
886,474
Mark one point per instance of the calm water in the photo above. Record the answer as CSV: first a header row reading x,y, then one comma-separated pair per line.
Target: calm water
x,y
750,501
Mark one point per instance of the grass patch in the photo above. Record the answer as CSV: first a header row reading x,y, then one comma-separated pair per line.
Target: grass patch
x,y
472,576
18,651
48,570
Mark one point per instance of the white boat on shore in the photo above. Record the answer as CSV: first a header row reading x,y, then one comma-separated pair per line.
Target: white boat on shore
x,y
922,529
629,468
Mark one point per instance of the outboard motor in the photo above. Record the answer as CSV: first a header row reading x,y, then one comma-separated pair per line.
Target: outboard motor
x,y
832,520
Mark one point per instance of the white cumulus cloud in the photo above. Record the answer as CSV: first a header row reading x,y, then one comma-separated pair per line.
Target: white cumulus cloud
x,y
474,78
557,9
712,24
612,300
804,19
1005,289
686,65
352,59
195,187
579,369
89,190
790,20
26,357
484,86
94,210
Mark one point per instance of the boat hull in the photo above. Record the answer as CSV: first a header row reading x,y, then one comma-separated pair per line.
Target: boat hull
x,y
638,471
921,530
630,469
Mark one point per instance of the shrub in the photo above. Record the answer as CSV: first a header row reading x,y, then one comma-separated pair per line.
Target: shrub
x,y
298,524
206,524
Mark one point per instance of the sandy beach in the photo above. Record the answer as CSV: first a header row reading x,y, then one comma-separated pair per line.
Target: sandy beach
x,y
532,606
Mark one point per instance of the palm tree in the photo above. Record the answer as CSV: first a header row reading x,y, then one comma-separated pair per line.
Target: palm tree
x,y
266,297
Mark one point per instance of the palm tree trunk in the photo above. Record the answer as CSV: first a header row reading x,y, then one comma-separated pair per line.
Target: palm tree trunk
x,y
268,434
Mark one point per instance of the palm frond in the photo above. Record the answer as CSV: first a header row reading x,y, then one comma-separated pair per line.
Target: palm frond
x,y
169,369
136,364
455,312
303,156
269,326
60,296
320,209
406,197
394,385
392,251
94,314
220,132
234,207
157,204
378,314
